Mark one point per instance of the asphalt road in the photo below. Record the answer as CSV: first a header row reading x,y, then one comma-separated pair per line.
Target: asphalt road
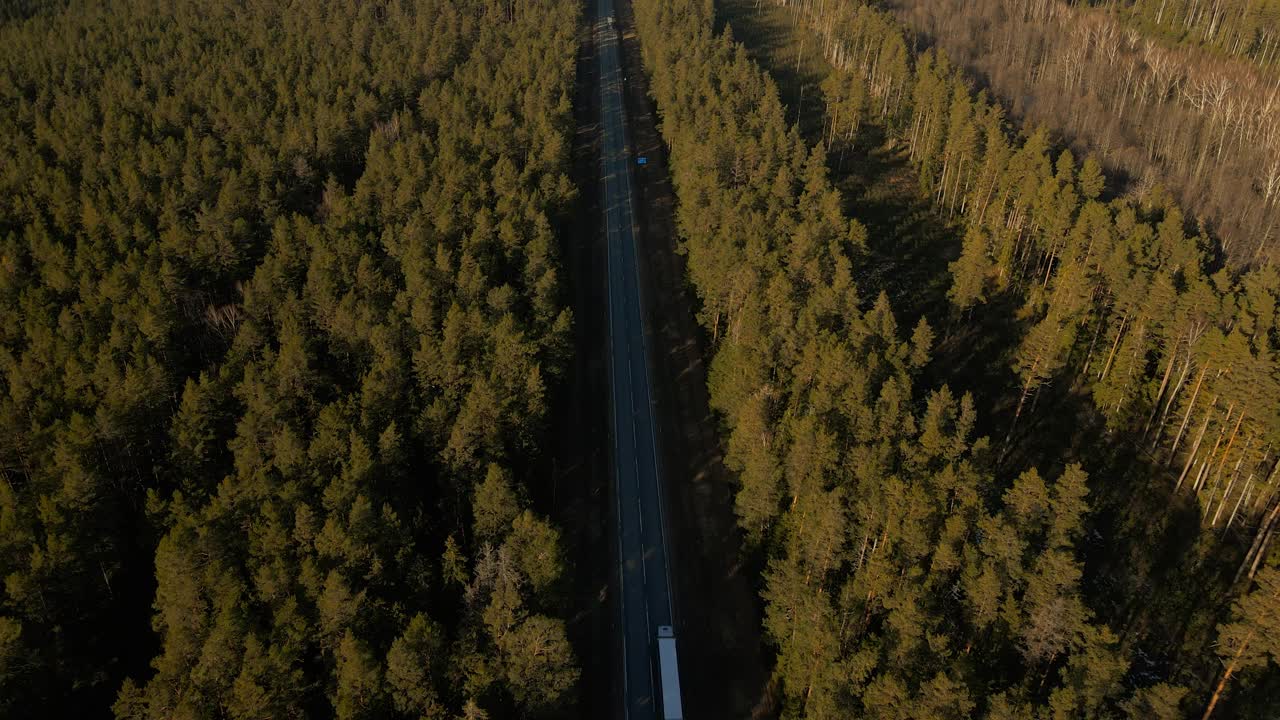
x,y
645,581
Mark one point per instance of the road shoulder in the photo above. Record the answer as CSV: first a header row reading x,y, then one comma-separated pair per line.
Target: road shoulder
x,y
722,662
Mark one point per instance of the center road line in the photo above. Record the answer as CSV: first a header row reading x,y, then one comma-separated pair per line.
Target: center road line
x,y
645,601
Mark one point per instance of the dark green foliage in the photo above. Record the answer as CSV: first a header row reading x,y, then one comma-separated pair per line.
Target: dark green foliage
x,y
280,307
898,575
909,570
1250,28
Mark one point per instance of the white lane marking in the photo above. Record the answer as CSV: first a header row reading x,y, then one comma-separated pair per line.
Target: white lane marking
x,y
657,467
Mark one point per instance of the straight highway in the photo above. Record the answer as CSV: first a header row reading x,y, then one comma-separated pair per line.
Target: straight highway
x,y
645,586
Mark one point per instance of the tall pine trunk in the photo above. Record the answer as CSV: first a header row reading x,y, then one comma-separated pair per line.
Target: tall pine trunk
x,y
1195,448
1187,417
1226,675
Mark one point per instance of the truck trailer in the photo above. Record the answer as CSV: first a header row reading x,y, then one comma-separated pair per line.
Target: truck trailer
x,y
670,674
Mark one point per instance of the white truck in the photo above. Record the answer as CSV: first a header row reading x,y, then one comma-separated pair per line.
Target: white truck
x,y
670,674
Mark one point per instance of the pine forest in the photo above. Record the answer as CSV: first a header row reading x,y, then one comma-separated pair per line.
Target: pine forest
x,y
464,359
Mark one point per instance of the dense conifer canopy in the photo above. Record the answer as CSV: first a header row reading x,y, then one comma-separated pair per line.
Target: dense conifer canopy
x,y
915,569
279,313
